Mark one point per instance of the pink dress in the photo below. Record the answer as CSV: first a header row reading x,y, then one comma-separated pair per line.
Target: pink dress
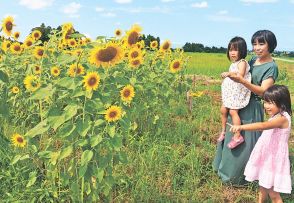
x,y
269,160
234,94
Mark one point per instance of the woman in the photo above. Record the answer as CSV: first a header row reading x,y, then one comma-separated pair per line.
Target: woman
x,y
230,163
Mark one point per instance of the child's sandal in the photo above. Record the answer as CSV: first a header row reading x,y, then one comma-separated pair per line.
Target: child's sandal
x,y
221,137
234,143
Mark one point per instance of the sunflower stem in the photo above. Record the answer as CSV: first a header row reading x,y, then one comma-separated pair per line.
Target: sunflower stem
x,y
82,190
84,109
40,104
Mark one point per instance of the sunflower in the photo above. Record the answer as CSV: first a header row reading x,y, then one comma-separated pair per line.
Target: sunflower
x,y
36,34
39,52
75,70
91,81
18,140
67,30
165,45
196,94
135,53
7,25
107,56
154,45
15,90
55,71
72,43
16,48
175,66
113,113
37,69
6,45
16,35
136,62
28,42
31,83
140,44
133,35
118,32
127,93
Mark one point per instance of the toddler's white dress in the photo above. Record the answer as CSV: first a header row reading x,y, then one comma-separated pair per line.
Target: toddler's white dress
x,y
234,94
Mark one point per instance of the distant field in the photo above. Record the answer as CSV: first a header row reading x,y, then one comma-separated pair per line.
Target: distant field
x,y
213,64
209,64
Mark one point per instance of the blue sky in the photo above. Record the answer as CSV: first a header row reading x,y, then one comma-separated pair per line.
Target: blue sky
x,y
212,23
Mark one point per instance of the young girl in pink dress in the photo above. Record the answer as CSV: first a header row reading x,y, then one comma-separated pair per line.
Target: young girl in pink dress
x,y
235,95
269,161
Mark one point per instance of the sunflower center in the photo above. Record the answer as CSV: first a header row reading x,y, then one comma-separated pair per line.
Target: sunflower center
x,y
29,43
16,35
136,62
19,139
17,48
127,93
92,81
133,38
112,114
9,26
8,45
36,35
106,55
40,52
176,65
134,54
68,33
34,84
78,70
55,71
37,68
165,46
118,33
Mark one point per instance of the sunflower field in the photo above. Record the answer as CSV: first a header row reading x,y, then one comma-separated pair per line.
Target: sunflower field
x,y
68,107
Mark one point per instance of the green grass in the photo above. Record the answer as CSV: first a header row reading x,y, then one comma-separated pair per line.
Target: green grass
x,y
175,165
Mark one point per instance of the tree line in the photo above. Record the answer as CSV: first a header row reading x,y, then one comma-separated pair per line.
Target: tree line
x,y
188,46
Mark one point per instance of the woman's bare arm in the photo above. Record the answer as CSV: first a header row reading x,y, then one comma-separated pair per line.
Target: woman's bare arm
x,y
259,90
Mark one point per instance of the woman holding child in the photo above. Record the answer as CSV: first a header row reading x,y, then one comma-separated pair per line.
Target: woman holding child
x,y
230,163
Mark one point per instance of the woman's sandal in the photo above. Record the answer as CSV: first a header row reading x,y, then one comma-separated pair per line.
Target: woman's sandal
x,y
221,137
234,143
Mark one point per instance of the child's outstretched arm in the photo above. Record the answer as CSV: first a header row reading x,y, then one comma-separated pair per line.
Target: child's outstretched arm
x,y
277,122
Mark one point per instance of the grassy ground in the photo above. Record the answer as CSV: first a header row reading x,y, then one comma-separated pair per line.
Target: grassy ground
x,y
175,164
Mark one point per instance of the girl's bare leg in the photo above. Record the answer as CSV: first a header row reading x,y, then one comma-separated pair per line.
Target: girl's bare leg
x,y
236,121
224,116
262,194
275,196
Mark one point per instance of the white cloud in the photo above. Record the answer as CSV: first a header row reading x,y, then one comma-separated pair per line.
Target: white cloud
x,y
72,10
292,1
222,16
36,4
123,1
99,9
258,1
202,4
